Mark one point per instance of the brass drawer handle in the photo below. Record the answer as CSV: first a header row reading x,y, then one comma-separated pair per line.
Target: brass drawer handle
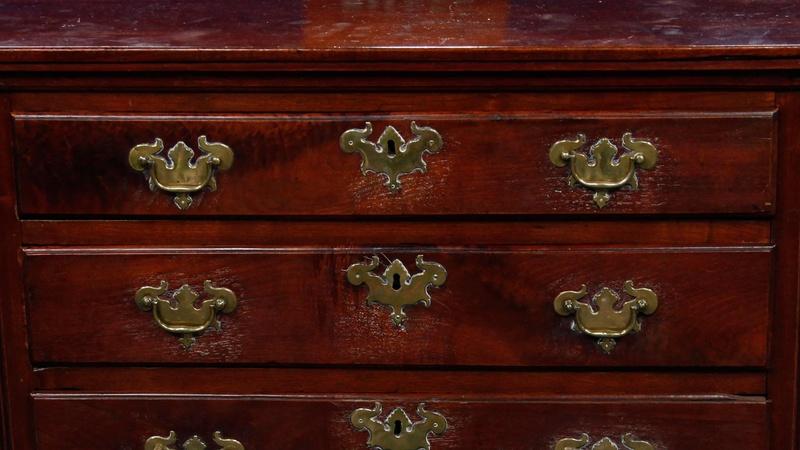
x,y
177,173
607,323
396,288
180,315
397,432
629,442
601,170
193,443
392,156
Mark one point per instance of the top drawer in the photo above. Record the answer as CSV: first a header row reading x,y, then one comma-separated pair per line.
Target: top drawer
x,y
682,163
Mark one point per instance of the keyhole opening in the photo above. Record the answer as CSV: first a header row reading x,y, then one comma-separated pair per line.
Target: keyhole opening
x,y
392,150
396,282
398,428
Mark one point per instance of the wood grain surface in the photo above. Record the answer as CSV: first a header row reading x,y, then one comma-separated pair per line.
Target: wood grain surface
x,y
323,423
499,164
418,31
645,232
495,309
714,229
508,384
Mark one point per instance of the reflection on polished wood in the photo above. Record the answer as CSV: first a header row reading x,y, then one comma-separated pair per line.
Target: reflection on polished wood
x,y
713,228
367,32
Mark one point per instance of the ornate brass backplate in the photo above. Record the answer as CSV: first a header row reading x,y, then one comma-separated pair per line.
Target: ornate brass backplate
x,y
392,156
396,288
397,432
607,322
602,170
193,443
629,442
177,173
180,315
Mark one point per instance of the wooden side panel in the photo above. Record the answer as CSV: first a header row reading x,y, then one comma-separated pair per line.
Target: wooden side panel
x,y
495,309
490,164
16,370
784,337
94,423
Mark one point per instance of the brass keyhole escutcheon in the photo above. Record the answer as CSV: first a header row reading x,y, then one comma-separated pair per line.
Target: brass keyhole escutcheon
x,y
396,288
602,170
397,432
396,285
391,156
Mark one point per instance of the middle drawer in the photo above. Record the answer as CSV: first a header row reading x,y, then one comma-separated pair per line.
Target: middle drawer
x,y
487,307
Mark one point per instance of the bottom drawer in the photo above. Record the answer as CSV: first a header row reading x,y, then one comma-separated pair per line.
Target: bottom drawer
x,y
93,422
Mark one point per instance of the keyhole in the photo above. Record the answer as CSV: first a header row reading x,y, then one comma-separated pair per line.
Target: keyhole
x,y
398,428
392,150
396,282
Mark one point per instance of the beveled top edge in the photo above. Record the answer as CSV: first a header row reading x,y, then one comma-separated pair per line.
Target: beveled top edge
x,y
406,31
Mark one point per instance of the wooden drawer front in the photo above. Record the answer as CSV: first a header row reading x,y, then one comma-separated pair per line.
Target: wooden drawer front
x,y
324,423
495,308
489,164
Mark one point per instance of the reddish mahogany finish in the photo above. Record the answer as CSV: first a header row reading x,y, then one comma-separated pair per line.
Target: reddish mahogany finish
x,y
509,383
495,309
389,231
714,229
289,165
322,33
323,423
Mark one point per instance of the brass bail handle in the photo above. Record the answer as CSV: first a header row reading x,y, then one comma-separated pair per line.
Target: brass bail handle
x,y
628,441
602,170
193,443
605,321
180,315
180,173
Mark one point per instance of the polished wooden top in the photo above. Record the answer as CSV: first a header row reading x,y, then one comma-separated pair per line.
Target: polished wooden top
x,y
246,31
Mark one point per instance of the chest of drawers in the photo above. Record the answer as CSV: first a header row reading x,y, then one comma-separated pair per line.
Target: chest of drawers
x,y
399,225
